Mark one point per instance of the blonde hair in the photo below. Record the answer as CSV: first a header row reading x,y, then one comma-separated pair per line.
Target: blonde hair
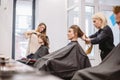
x,y
101,17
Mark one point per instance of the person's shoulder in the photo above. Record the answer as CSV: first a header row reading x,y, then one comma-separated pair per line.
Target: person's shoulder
x,y
107,28
73,43
44,47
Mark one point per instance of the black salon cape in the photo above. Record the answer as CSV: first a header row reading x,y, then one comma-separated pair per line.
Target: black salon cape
x,y
42,51
109,69
65,61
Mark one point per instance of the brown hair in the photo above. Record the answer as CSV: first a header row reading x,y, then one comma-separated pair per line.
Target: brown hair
x,y
116,9
44,31
77,30
45,39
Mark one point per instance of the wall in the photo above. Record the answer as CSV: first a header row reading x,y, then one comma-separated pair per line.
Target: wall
x,y
6,12
54,14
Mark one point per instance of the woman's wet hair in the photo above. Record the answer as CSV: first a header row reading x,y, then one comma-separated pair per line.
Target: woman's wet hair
x,y
77,30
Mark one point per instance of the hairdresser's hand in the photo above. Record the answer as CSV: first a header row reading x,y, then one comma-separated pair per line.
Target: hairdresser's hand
x,y
88,40
83,37
37,33
30,32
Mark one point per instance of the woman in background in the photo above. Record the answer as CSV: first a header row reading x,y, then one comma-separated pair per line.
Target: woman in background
x,y
104,35
32,35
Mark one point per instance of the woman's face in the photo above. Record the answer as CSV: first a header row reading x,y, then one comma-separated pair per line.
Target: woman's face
x,y
40,41
41,28
97,23
71,34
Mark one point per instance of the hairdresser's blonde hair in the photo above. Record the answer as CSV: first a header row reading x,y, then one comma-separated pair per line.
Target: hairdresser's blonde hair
x,y
101,17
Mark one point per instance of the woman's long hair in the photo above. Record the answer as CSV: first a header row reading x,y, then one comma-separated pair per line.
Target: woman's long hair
x,y
77,30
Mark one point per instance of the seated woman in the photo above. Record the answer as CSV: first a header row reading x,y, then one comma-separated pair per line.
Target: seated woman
x,y
67,60
42,51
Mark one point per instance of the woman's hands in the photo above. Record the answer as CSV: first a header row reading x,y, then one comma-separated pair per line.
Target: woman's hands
x,y
86,39
29,33
88,42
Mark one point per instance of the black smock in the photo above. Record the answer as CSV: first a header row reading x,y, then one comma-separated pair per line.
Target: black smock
x,y
42,51
103,37
109,69
65,61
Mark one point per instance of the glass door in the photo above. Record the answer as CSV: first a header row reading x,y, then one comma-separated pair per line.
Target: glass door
x,y
89,28
23,22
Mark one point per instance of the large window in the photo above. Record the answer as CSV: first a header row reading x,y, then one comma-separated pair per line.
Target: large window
x,y
23,22
72,3
73,16
73,12
89,28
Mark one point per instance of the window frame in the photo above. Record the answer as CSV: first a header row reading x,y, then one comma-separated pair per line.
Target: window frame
x,y
14,23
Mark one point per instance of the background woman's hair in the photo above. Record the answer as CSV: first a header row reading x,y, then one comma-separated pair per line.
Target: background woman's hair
x,y
44,31
116,9
77,30
45,39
